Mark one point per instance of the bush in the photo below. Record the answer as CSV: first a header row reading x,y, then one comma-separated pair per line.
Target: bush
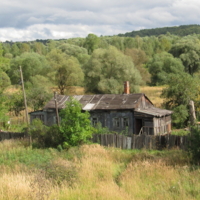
x,y
101,130
44,136
75,125
194,146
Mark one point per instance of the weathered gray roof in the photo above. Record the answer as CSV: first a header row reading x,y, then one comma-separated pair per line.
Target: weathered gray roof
x,y
154,111
100,101
110,102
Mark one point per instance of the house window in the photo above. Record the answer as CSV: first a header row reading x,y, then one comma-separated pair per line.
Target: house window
x,y
94,121
125,122
41,117
116,122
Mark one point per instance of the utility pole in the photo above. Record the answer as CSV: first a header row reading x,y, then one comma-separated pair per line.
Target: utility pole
x,y
25,103
56,106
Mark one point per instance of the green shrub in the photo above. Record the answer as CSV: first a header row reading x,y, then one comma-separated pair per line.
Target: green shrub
x,y
44,136
194,145
75,125
101,130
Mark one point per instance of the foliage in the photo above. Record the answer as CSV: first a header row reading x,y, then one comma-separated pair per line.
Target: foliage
x,y
15,50
180,132
189,53
32,64
180,90
194,147
161,66
4,80
44,136
37,97
66,70
15,102
38,130
69,74
4,62
3,108
180,116
101,130
72,50
107,69
91,42
139,59
182,30
75,126
38,92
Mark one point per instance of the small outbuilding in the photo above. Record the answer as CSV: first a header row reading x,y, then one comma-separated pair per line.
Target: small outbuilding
x,y
124,113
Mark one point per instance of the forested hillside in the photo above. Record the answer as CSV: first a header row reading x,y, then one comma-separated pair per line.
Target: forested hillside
x,y
183,30
101,65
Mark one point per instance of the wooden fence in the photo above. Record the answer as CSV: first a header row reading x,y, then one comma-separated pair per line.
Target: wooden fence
x,y
125,142
141,141
11,135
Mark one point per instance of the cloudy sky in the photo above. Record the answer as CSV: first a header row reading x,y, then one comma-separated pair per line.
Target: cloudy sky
x,y
23,20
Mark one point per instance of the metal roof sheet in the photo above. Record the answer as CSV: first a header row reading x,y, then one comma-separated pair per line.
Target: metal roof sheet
x,y
100,101
109,102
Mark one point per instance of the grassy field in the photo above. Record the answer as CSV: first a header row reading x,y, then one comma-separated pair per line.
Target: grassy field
x,y
153,93
94,172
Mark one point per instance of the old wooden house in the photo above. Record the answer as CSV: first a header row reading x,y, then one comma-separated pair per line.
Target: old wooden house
x,y
124,113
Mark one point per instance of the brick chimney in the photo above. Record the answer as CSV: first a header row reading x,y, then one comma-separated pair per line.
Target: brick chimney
x,y
126,87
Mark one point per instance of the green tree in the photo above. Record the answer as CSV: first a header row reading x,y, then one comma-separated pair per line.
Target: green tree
x,y
39,48
107,70
165,43
32,64
44,136
4,67
4,62
139,59
91,43
6,48
75,125
189,53
4,80
15,50
117,42
15,102
25,47
194,146
3,108
180,90
161,66
72,50
66,70
78,52
38,92
69,74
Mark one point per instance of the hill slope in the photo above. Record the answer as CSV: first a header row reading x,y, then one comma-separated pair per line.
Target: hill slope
x,y
175,30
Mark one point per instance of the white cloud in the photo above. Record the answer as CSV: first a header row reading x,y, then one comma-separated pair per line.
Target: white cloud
x,y
49,19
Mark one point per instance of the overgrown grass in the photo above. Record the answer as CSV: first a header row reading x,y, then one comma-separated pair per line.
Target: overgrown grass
x,y
94,172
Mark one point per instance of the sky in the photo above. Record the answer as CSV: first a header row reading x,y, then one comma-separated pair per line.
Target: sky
x,y
25,20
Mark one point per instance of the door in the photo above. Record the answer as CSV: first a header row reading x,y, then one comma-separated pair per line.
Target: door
x,y
138,125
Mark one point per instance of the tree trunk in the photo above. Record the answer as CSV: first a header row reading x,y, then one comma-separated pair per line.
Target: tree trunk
x,y
192,113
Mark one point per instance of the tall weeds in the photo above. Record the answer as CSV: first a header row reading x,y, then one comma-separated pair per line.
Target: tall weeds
x,y
94,172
